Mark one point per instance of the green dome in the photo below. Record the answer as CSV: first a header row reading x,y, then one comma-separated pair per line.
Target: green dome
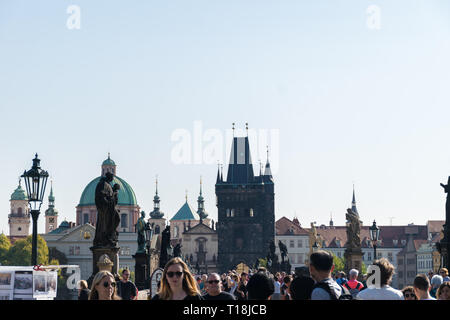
x,y
19,194
126,193
108,162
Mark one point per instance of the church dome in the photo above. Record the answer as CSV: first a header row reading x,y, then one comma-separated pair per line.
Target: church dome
x,y
108,162
126,193
19,194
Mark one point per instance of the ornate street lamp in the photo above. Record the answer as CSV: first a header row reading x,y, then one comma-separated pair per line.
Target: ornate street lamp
x,y
35,183
374,236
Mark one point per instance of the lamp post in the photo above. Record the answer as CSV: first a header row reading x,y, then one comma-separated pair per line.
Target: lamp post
x,y
374,236
35,183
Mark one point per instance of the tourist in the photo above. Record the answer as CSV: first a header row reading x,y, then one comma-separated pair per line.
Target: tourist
x,y
285,288
214,289
233,282
103,287
125,288
301,288
408,293
177,282
353,285
83,290
422,287
342,278
444,274
260,287
241,290
320,267
436,282
277,287
383,290
443,293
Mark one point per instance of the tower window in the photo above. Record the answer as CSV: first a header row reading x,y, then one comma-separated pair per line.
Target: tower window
x,y
232,212
251,212
228,213
85,218
123,220
19,211
20,229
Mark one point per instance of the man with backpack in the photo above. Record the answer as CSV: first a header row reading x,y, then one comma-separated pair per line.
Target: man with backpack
x,y
320,267
353,285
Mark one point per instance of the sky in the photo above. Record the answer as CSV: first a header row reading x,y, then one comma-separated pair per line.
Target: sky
x,y
343,92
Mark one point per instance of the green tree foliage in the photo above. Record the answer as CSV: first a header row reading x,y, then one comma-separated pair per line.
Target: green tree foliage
x,y
339,263
20,253
5,246
263,262
54,253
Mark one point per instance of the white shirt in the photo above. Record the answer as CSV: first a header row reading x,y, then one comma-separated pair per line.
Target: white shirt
x,y
383,293
277,286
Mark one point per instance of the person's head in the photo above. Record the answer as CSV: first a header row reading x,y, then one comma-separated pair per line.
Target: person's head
x,y
262,269
125,275
321,265
353,274
443,293
143,214
82,284
301,288
109,176
386,270
213,284
443,272
176,275
103,287
204,277
408,293
235,277
277,276
436,281
421,285
287,280
260,287
343,274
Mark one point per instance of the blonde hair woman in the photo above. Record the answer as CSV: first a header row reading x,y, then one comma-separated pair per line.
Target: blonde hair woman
x,y
177,282
103,287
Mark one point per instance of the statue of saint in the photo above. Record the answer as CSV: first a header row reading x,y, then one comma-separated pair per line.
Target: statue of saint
x,y
447,203
108,218
177,250
140,229
165,247
353,229
283,250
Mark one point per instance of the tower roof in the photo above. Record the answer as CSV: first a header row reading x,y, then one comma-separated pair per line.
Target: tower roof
x,y
240,168
354,202
108,162
126,193
19,194
185,213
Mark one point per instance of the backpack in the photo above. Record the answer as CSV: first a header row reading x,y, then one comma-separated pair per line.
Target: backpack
x,y
346,295
354,292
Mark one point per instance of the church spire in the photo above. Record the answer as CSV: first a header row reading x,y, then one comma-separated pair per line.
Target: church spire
x,y
201,204
218,173
354,202
156,213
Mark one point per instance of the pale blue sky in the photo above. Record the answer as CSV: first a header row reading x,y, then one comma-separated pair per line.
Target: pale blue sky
x,y
351,104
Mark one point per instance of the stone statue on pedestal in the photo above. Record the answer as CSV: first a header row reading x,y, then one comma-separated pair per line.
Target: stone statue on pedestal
x,y
140,229
108,218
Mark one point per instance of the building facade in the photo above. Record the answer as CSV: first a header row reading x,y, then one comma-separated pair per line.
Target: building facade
x,y
19,217
296,240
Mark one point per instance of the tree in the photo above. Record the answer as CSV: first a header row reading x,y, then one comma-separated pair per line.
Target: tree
x,y
5,246
339,263
20,252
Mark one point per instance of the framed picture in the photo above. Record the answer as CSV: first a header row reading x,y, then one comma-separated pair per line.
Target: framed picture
x,y
23,283
6,294
39,283
6,280
23,297
52,280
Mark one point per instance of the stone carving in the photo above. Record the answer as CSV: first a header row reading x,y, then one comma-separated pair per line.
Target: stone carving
x,y
108,218
283,250
177,250
140,229
353,229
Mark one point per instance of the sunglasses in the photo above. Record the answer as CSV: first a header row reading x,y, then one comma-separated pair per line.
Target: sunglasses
x,y
213,281
170,274
412,295
106,284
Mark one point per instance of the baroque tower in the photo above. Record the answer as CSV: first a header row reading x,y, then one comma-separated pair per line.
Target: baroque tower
x,y
51,214
246,211
19,218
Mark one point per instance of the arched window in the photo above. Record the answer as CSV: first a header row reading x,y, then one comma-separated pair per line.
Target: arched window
x,y
19,211
123,220
157,229
175,232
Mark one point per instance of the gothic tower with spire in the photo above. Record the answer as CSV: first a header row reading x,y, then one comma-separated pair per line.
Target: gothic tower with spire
x,y
246,212
156,216
51,214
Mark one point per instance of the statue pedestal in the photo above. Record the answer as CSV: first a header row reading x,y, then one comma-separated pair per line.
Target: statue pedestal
x,y
142,270
113,255
353,259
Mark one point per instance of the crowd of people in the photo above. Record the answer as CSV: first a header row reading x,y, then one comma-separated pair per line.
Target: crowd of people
x,y
320,282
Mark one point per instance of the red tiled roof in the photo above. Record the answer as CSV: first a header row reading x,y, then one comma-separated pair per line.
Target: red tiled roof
x,y
435,226
284,226
387,235
418,243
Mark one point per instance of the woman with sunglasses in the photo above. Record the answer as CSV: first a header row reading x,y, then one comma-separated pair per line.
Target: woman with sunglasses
x,y
103,287
177,283
408,293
